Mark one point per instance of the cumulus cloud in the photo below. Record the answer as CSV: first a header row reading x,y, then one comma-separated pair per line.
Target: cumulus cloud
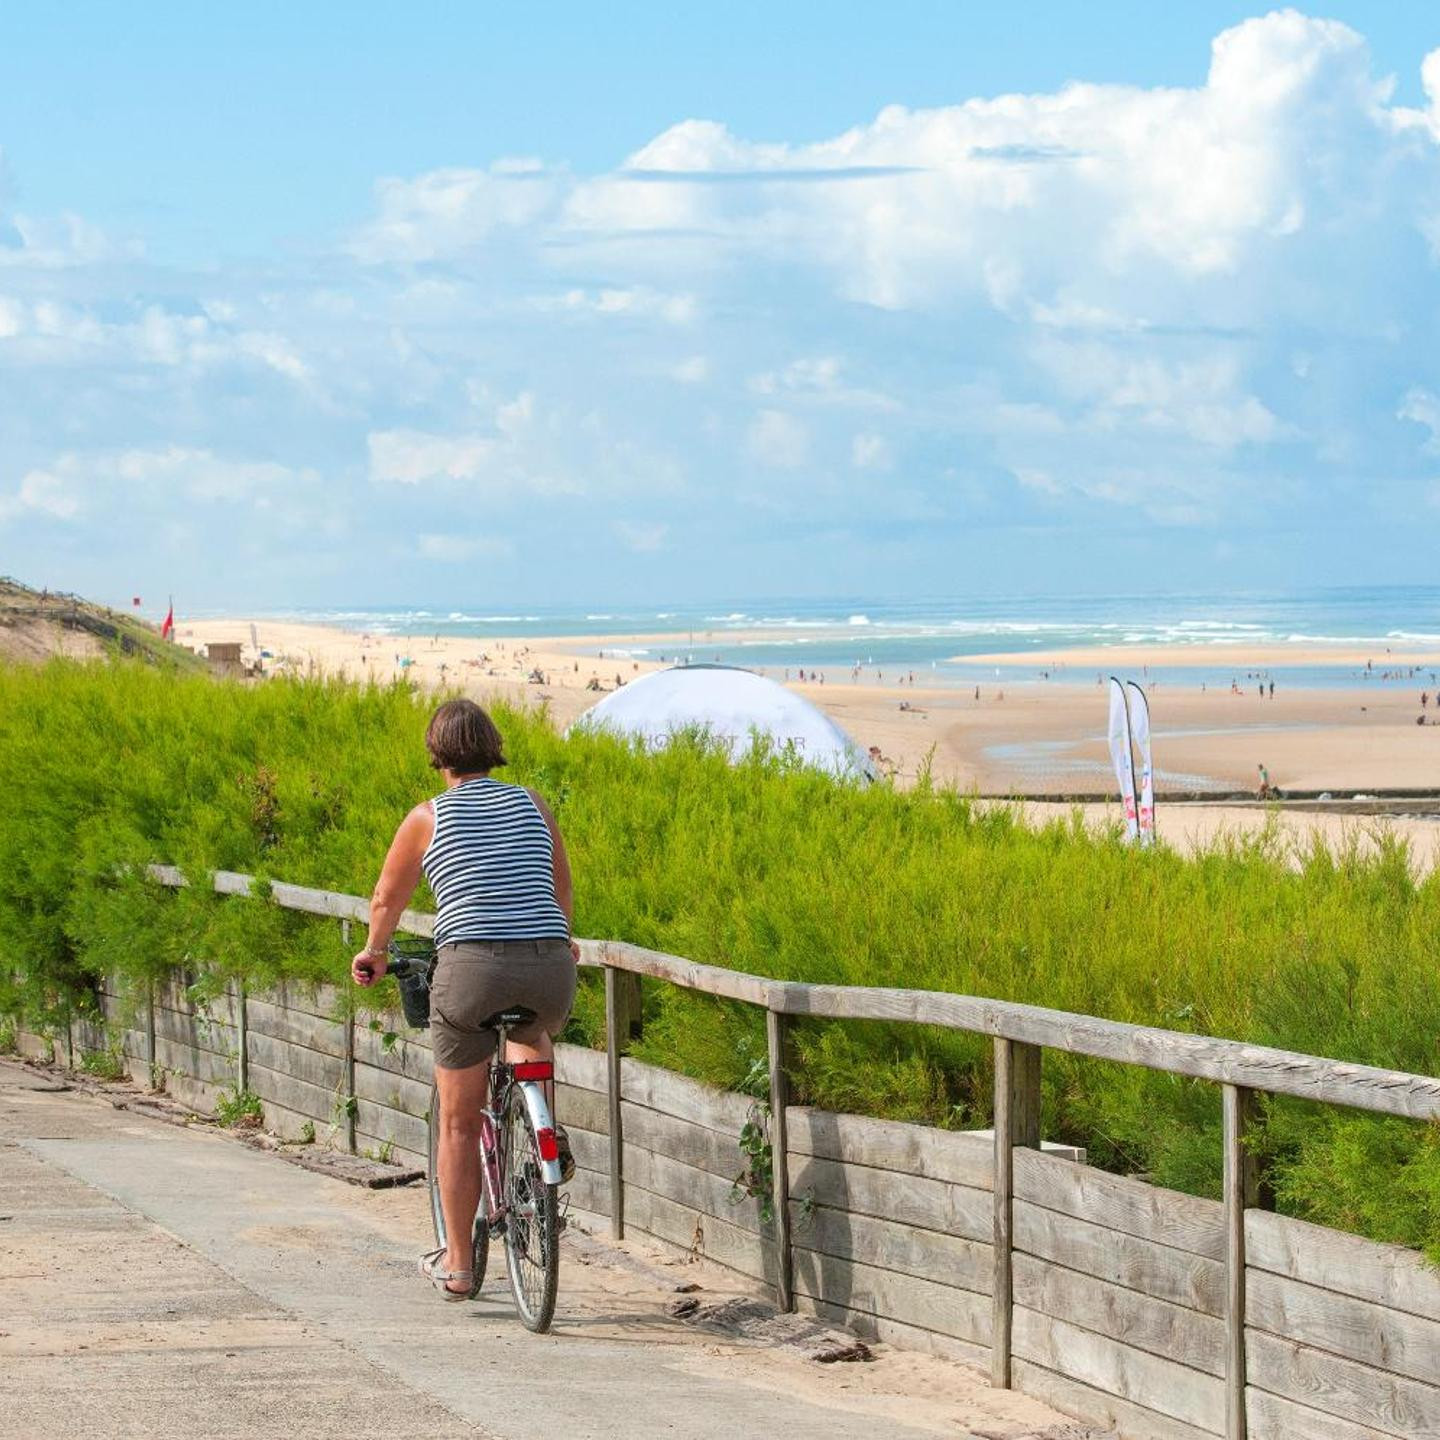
x,y
779,440
1194,305
869,451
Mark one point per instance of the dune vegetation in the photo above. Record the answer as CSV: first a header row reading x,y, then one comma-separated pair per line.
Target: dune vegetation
x,y
763,867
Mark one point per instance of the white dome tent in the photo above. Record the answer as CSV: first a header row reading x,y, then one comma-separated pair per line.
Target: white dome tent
x,y
732,705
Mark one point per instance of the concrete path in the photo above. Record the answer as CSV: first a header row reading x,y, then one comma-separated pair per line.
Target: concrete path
x,y
157,1280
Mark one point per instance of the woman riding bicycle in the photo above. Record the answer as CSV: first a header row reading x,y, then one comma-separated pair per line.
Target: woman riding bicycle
x,y
497,865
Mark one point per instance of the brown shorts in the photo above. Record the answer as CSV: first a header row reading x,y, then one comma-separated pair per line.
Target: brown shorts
x,y
475,978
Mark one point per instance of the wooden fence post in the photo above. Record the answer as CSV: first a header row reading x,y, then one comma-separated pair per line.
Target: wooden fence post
x,y
776,1032
242,1058
150,1059
1241,1190
1017,1122
616,1025
349,1081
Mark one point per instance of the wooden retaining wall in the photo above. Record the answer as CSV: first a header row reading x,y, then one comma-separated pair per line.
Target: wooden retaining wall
x,y
1118,1290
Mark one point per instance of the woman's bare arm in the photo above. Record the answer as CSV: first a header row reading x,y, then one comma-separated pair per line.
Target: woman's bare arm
x,y
398,878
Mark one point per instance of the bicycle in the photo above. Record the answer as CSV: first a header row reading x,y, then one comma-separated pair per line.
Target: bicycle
x,y
519,1153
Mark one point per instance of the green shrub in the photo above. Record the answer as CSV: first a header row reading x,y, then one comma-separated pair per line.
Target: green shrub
x,y
761,866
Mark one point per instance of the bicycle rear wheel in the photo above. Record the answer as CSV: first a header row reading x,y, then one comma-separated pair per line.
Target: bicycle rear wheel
x,y
480,1231
532,1220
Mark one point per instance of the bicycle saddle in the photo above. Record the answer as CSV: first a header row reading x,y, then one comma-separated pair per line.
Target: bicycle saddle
x,y
515,1015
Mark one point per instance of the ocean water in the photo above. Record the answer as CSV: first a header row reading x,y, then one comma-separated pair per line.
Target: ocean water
x,y
937,638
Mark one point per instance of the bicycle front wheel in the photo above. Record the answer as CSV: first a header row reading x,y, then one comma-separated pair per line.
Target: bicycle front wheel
x,y
480,1231
532,1220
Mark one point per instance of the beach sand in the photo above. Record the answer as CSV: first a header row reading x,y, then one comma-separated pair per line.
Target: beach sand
x,y
1030,739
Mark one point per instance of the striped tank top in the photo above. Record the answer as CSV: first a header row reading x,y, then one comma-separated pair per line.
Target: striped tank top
x,y
489,864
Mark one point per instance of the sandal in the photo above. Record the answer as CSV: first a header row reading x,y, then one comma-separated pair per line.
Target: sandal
x,y
430,1269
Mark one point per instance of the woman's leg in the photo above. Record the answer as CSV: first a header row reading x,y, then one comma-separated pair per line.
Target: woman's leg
x,y
462,1099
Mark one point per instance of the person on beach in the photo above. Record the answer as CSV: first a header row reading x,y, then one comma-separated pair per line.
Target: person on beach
x,y
1264,782
496,862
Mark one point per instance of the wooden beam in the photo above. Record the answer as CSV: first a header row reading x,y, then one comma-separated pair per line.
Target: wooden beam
x,y
242,1044
777,1038
613,1042
1241,1189
349,1054
1227,1062
1017,1122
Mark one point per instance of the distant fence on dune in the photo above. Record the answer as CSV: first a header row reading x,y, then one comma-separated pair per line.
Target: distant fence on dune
x,y
1166,1316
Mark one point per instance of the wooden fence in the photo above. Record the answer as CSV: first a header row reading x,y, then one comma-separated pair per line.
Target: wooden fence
x,y
1161,1314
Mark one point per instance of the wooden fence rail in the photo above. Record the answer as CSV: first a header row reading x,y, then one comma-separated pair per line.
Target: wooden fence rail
x,y
1021,1034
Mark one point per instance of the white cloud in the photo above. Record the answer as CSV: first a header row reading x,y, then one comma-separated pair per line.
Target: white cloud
x,y
693,370
642,537
869,451
779,440
452,549
41,492
638,302
409,457
447,212
1421,406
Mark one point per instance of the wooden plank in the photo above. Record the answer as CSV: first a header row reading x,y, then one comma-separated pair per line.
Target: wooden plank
x,y
906,1199
200,1095
194,1063
888,1245
590,1191
682,1140
679,1095
587,1109
892,1145
191,1030
895,1332
1121,1370
1276,1418
296,1027
925,1304
380,1121
1148,1324
405,1055
702,1233
592,1151
1184,1222
1095,1407
582,1068
1344,1388
1178,1276
410,1097
1388,1274
298,1062
1240,1187
1354,1329
319,1103
692,1188
321,1001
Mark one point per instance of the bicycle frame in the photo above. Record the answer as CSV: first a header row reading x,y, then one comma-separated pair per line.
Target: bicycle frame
x,y
493,1163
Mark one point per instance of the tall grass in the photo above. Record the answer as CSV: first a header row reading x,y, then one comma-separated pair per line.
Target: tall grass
x,y
762,867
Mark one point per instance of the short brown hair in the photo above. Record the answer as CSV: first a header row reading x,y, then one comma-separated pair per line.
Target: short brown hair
x,y
462,738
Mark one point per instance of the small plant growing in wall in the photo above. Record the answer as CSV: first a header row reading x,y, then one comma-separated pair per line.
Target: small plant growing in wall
x,y
239,1110
756,1180
103,1064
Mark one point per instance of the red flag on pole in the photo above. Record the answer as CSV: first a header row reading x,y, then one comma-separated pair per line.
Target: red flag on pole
x,y
168,628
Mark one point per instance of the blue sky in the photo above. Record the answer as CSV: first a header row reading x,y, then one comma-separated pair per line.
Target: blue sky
x,y
308,305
